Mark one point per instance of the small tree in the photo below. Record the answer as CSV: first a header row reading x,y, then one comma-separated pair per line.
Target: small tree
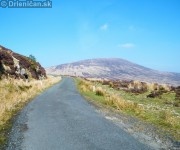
x,y
32,57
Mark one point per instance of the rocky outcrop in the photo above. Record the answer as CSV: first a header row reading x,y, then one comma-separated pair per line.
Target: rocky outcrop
x,y
15,65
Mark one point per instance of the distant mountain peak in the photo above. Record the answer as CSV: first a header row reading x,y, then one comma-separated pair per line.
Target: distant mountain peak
x,y
114,68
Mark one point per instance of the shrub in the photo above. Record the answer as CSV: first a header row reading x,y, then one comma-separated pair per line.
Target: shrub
x,y
137,87
111,84
105,82
33,58
99,92
177,97
154,94
157,93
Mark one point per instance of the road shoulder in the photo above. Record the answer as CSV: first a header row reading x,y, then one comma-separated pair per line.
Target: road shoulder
x,y
140,130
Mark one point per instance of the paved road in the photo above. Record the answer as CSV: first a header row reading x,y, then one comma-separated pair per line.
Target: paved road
x,y
60,119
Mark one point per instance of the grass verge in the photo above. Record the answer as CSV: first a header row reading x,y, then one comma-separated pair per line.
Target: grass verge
x,y
14,95
155,111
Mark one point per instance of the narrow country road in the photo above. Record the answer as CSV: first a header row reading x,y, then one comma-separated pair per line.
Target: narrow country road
x,y
60,119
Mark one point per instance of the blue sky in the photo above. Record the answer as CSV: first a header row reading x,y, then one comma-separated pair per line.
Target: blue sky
x,y
146,32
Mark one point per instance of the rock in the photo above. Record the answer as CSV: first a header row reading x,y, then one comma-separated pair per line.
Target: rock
x,y
18,66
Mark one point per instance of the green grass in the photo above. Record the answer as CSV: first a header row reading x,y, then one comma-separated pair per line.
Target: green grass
x,y
157,111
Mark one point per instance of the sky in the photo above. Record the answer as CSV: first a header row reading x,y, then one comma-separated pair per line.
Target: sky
x,y
146,32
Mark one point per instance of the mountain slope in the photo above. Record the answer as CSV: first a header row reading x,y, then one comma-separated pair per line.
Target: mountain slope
x,y
18,66
114,68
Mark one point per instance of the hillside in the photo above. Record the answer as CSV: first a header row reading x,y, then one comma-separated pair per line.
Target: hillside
x,y
15,65
114,68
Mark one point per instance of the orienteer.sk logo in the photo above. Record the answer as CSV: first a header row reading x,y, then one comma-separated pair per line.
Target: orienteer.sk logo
x,y
25,4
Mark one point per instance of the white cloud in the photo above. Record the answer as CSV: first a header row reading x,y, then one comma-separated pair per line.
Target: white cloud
x,y
104,27
127,45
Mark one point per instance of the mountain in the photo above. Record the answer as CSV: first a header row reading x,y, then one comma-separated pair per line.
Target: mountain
x,y
15,65
114,68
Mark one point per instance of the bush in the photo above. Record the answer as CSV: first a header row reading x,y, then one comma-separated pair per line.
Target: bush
x,y
33,58
154,94
177,91
105,82
99,92
177,97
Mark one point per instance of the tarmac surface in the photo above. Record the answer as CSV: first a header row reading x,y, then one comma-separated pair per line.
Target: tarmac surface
x,y
60,119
